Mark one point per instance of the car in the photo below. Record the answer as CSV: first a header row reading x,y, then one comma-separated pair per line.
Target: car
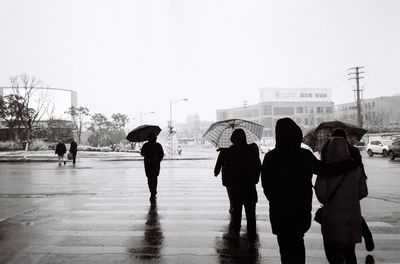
x,y
394,150
380,146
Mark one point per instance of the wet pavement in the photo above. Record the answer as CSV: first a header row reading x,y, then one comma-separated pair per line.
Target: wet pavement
x,y
99,212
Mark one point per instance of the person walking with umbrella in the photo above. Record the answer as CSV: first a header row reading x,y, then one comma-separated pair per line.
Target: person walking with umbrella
x,y
153,153
356,156
244,161
341,221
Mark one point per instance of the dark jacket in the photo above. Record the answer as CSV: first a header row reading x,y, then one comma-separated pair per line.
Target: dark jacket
x,y
286,177
153,154
222,166
60,148
74,147
244,160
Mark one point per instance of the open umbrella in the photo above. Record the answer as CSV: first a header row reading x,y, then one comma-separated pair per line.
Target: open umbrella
x,y
317,137
141,133
219,133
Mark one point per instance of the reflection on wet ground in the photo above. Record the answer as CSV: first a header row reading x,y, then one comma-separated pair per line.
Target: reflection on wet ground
x,y
151,244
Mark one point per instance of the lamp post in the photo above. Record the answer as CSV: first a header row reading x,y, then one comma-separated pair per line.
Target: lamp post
x,y
142,114
171,103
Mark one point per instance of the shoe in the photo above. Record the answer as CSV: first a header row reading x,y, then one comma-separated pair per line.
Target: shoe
x,y
231,235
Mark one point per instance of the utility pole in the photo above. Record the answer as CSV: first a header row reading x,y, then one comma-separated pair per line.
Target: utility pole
x,y
356,76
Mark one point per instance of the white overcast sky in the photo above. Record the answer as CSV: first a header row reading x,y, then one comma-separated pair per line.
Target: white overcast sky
x,y
133,56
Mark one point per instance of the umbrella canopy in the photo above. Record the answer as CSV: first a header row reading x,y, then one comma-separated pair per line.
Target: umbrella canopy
x,y
141,133
219,133
317,137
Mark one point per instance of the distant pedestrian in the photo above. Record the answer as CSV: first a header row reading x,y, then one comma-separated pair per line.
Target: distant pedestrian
x,y
153,153
356,156
244,160
222,165
341,224
61,149
73,149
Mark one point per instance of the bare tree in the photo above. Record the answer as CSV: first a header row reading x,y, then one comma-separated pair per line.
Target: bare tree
x,y
34,99
78,113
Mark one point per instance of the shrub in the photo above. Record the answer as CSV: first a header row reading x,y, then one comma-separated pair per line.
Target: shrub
x,y
38,144
10,145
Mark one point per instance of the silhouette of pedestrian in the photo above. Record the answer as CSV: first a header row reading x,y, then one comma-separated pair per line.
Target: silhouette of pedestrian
x,y
153,153
341,195
222,166
356,156
61,149
244,160
73,149
286,176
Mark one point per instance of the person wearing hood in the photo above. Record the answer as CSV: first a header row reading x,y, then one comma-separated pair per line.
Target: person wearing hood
x,y
244,162
153,153
286,176
341,225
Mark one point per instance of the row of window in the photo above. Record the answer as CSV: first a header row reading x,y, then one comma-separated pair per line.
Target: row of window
x,y
270,123
317,95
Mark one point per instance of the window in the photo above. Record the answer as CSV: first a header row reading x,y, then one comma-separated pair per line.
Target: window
x,y
320,110
283,111
306,121
299,110
311,110
266,122
267,110
328,110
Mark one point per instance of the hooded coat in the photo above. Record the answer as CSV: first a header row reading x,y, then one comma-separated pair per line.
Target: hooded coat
x,y
341,217
286,176
244,163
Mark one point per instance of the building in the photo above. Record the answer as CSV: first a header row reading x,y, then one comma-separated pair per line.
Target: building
x,y
57,101
378,114
307,106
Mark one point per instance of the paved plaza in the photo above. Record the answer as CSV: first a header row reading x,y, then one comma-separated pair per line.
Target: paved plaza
x,y
99,212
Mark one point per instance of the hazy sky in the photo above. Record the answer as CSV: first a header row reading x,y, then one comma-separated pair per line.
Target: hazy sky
x,y
133,57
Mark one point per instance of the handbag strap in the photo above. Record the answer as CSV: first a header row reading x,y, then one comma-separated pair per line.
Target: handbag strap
x,y
334,191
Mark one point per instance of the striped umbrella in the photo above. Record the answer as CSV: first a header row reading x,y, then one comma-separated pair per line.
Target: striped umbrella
x,y
317,137
219,133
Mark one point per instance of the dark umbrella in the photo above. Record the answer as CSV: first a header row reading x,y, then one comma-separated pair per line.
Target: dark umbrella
x,y
317,137
219,133
141,133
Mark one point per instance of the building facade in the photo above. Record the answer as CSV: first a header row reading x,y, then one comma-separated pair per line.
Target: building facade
x,y
307,106
56,101
378,114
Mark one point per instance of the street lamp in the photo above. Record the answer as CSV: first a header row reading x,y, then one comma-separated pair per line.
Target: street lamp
x,y
142,114
171,102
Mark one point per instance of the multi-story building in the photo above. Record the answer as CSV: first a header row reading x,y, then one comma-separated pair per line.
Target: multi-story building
x,y
378,113
307,106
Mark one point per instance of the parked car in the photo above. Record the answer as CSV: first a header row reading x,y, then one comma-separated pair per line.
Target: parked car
x,y
378,147
394,150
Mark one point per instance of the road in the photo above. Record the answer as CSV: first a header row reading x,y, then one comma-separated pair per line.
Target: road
x,y
98,212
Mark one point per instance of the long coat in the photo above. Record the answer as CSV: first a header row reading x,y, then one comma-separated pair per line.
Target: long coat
x,y
286,179
153,154
341,218
244,161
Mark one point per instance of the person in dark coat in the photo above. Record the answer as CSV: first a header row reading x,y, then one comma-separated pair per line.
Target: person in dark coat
x,y
244,160
73,149
61,149
222,166
153,153
356,156
286,176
